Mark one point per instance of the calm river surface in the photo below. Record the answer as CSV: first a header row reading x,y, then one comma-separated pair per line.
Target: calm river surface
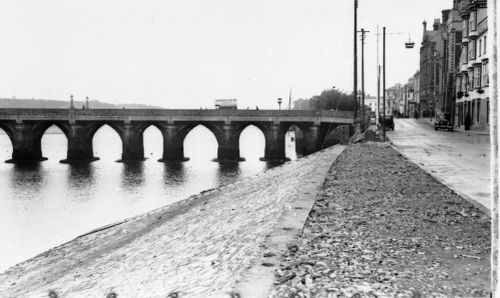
x,y
49,203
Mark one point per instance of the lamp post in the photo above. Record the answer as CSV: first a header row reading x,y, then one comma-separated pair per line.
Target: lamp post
x,y
87,102
71,104
280,100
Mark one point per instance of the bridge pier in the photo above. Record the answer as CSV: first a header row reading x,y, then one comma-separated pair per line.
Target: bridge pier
x,y
275,144
132,141
229,144
80,149
173,144
312,141
27,147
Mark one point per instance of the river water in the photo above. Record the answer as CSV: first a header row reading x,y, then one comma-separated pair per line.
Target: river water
x,y
46,204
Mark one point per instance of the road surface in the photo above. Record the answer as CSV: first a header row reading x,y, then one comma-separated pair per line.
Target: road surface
x,y
459,159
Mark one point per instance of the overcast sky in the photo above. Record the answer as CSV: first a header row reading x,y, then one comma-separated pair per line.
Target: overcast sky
x,y
185,54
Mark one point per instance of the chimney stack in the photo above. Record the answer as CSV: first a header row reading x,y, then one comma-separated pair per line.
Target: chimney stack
x,y
436,24
445,15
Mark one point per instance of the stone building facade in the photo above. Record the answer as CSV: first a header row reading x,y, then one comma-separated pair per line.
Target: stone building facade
x,y
472,78
393,99
452,36
431,65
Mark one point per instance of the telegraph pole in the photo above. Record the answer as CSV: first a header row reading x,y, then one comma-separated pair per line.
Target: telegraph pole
x,y
383,83
378,94
378,80
355,88
363,36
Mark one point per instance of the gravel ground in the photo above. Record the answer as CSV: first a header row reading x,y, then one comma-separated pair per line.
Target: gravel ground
x,y
383,227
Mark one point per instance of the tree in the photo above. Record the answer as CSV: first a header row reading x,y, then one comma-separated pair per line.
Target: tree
x,y
331,99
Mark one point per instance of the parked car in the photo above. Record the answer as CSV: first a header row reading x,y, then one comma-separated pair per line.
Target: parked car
x,y
373,118
388,121
443,123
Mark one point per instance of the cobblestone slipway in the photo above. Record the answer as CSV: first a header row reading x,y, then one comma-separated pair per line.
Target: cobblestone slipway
x,y
220,243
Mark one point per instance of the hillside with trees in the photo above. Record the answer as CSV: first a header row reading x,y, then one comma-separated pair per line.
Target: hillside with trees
x,y
64,104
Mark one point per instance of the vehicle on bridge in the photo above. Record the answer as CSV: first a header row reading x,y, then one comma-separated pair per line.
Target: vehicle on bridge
x,y
226,104
443,122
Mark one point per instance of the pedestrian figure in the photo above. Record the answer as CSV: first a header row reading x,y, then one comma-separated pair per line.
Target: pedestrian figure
x,y
467,122
257,108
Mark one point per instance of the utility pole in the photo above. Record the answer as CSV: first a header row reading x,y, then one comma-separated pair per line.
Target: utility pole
x,y
355,88
378,81
378,93
383,84
363,36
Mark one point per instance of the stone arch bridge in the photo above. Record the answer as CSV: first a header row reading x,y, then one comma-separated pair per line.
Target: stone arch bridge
x,y
25,128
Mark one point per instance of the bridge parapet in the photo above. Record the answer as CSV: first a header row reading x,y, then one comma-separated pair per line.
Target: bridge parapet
x,y
172,115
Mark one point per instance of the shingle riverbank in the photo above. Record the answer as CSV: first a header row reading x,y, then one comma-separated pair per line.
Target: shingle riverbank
x,y
382,227
221,243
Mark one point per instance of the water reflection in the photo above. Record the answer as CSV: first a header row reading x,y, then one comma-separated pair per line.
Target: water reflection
x,y
227,171
174,173
28,177
81,176
132,175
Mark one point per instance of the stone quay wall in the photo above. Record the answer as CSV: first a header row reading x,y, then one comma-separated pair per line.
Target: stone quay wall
x,y
221,243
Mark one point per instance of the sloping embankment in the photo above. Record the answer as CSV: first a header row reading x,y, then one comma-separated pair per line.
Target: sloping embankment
x,y
213,244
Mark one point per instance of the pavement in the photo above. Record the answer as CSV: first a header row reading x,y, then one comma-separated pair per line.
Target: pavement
x,y
221,243
473,131
459,159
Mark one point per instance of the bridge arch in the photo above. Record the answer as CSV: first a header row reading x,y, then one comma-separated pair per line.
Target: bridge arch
x,y
294,142
6,133
110,148
152,139
46,142
251,141
200,140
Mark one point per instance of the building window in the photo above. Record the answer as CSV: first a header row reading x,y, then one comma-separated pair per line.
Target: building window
x,y
472,112
479,49
472,50
486,78
484,45
487,110
464,83
472,21
464,54
478,109
471,79
477,76
459,84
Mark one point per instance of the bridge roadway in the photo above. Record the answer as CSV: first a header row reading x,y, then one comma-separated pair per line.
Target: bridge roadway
x,y
25,128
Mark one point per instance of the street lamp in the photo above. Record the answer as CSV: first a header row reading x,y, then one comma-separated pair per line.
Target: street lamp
x,y
280,100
